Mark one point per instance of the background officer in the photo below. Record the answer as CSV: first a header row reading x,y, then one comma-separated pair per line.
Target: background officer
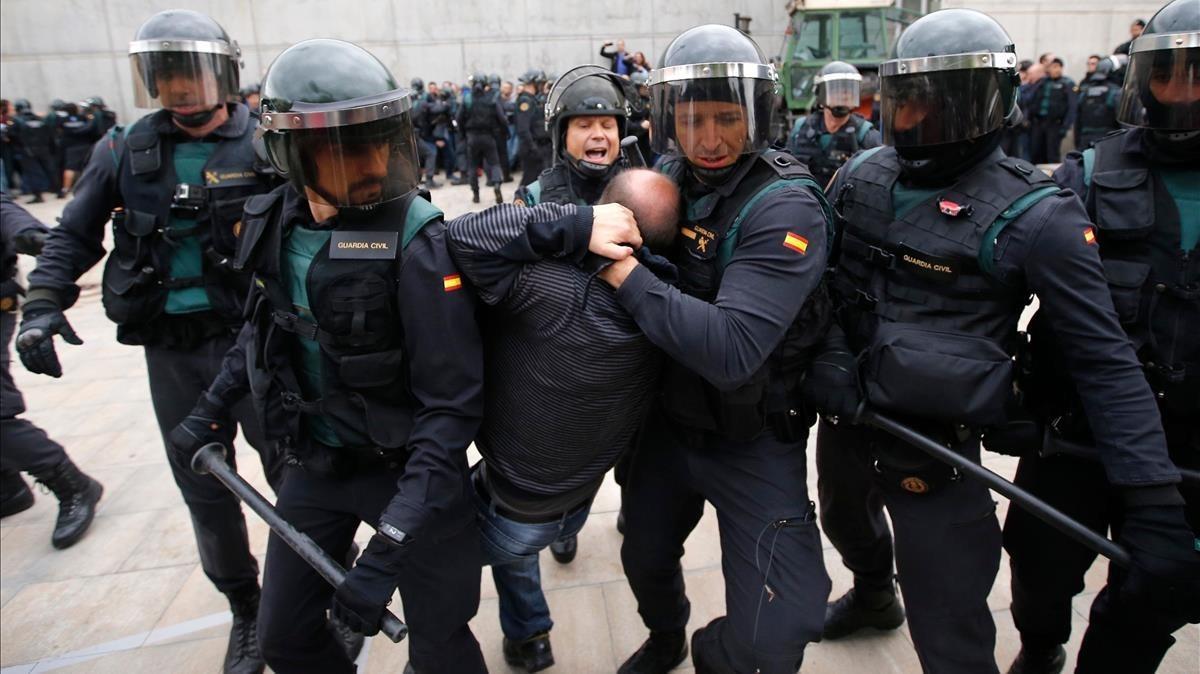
x,y
23,446
1141,188
737,330
495,86
174,184
481,117
533,137
1054,106
831,133
1099,96
34,141
942,240
363,358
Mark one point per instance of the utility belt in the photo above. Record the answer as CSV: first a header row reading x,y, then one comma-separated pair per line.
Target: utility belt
x,y
481,479
324,460
704,416
898,464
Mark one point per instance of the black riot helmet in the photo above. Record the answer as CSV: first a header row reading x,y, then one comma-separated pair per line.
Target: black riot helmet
x,y
838,87
1162,84
477,81
94,101
416,86
591,91
949,90
22,106
58,105
494,80
1104,70
185,62
336,124
711,100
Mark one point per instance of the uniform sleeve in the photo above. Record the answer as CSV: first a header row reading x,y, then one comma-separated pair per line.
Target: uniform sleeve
x,y
14,219
492,246
763,287
501,120
524,123
1050,249
232,381
77,244
873,139
445,367
1072,106
1069,174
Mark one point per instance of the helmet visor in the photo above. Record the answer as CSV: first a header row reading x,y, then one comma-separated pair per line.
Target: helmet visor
x,y
1162,90
711,121
841,93
183,81
945,106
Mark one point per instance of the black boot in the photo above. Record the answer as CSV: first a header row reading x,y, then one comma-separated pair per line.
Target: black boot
x,y
37,198
564,550
15,495
432,184
475,196
1039,660
77,496
661,653
243,656
499,196
859,609
532,654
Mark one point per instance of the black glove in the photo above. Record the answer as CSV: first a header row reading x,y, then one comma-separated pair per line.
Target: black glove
x,y
363,596
831,384
1165,573
207,422
41,320
29,241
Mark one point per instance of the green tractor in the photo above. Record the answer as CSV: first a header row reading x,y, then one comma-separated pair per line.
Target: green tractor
x,y
859,32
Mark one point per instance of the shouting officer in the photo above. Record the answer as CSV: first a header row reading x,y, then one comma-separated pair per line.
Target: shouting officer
x,y
943,239
831,134
481,116
1099,96
1142,189
174,184
737,331
363,359
533,138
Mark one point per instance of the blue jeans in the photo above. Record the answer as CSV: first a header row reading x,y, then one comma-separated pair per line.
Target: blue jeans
x,y
512,548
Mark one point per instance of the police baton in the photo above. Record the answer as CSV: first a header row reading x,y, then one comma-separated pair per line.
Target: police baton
x,y
633,153
1032,504
210,460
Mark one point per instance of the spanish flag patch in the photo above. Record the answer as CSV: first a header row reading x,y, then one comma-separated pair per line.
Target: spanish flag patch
x,y
1089,236
796,242
451,283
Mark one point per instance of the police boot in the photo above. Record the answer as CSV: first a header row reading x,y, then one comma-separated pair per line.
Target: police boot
x,y
15,495
37,198
242,655
475,195
77,496
532,654
661,653
858,609
432,184
1039,660
564,550
499,196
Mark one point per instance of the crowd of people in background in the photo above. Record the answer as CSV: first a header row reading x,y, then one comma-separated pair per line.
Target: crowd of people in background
x,y
46,153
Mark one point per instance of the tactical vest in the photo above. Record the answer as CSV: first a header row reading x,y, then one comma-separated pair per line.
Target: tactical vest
x,y
136,274
551,187
805,145
935,330
771,398
537,128
366,398
1054,97
481,112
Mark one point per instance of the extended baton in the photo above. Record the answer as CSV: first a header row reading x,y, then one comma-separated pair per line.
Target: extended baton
x,y
633,153
210,460
1023,499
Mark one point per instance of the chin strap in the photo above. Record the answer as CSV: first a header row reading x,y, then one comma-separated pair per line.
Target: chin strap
x,y
196,119
939,164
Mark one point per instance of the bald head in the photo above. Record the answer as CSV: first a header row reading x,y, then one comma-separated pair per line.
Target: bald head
x,y
654,200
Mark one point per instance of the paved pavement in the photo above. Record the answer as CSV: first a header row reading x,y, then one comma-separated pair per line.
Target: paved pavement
x,y
131,598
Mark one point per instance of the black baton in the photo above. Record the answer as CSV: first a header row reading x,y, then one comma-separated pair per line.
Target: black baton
x,y
633,153
210,460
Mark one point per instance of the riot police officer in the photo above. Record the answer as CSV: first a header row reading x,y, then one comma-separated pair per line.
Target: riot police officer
x,y
173,184
1099,96
34,140
1054,104
831,134
1141,188
942,241
534,140
494,85
481,117
738,331
362,356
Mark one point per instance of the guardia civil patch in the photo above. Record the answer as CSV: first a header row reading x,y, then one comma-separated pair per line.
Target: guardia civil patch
x,y
524,107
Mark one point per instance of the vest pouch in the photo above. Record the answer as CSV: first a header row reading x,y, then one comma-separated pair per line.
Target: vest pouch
x,y
359,309
371,369
131,295
365,421
226,220
1124,203
930,374
1125,281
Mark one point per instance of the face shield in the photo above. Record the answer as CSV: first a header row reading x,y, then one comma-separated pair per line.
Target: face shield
x,y
945,99
184,76
1162,84
711,113
840,90
354,153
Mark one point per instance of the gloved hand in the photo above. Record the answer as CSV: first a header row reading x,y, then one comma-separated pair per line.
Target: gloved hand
x,y
832,383
363,596
29,241
1165,573
207,422
41,320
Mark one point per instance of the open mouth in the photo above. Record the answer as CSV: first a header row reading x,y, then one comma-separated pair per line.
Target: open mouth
x,y
710,162
596,155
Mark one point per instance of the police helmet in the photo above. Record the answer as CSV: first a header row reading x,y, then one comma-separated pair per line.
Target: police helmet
x,y
587,90
184,61
22,105
58,105
417,86
336,124
494,80
838,87
477,81
711,99
1162,84
528,77
1104,70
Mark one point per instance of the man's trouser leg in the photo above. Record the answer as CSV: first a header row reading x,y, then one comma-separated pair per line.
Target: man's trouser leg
x,y
1037,140
776,587
501,153
177,377
427,153
531,164
23,446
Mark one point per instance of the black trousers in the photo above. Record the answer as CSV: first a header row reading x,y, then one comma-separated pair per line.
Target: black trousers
x,y
481,149
534,160
1046,140
177,377
1048,568
23,446
947,543
439,587
501,137
775,581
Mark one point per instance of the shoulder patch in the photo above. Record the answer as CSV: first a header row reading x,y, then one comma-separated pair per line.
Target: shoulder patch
x,y
524,107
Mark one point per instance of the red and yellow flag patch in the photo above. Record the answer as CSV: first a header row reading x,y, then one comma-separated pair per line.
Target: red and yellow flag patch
x,y
796,242
451,283
1089,236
